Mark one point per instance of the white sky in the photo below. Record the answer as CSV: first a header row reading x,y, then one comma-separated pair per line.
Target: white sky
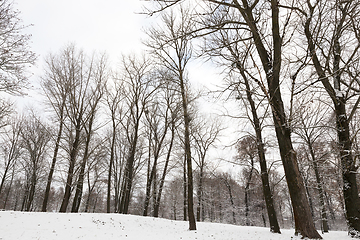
x,y
107,25
113,26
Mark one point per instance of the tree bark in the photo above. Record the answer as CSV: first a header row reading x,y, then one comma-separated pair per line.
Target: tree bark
x,y
190,194
70,173
53,162
274,225
304,223
349,169
162,180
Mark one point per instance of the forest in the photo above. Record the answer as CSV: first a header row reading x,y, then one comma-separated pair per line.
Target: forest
x,y
137,139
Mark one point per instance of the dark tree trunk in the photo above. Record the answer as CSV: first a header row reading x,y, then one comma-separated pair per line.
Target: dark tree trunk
x,y
349,169
200,193
247,193
111,163
10,185
80,183
128,174
185,191
274,225
53,162
162,180
324,219
70,173
190,188
304,223
228,186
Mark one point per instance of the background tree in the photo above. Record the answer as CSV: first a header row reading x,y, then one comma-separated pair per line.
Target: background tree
x,y
205,132
35,138
11,151
15,55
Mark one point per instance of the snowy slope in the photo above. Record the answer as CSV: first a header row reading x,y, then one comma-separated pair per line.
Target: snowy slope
x,y
68,226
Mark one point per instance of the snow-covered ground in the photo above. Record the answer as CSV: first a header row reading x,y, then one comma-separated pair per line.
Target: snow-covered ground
x,y
68,226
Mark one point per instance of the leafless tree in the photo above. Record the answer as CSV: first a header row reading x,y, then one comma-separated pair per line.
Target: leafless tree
x,y
56,86
205,132
11,149
332,33
35,138
15,55
136,91
85,77
253,19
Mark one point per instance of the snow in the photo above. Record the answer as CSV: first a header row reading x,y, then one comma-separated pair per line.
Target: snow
x,y
91,226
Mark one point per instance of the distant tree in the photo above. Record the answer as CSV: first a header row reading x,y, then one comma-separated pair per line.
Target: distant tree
x,y
10,149
35,138
205,132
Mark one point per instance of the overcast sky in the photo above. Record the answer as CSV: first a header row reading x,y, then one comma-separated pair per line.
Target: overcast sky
x,y
114,26
107,25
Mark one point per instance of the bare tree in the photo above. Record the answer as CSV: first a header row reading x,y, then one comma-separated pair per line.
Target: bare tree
x,y
10,149
170,45
205,132
253,18
56,86
35,138
85,77
136,94
95,94
15,55
333,42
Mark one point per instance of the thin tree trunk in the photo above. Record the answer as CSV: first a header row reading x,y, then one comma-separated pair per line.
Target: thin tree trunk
x,y
53,163
185,191
199,193
128,175
228,186
10,185
247,193
162,180
324,219
111,162
70,173
190,193
274,225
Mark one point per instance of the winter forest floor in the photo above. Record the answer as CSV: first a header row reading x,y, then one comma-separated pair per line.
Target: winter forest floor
x,y
90,226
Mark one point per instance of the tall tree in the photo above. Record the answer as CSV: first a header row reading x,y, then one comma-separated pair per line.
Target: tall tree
x,y
136,94
35,137
172,48
252,18
56,86
333,42
95,94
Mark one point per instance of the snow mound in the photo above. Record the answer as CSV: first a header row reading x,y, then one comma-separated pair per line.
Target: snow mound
x,y
91,226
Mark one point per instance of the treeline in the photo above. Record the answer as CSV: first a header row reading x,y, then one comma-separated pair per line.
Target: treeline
x,y
133,139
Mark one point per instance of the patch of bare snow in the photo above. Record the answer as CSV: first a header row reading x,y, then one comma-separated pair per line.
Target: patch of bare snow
x,y
92,226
